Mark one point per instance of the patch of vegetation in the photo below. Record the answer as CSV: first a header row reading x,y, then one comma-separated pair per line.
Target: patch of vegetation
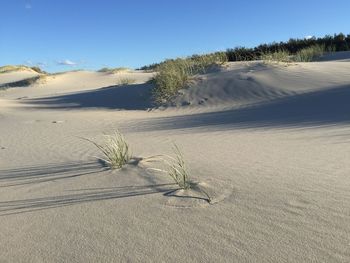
x,y
11,68
334,43
115,150
310,53
25,82
38,70
174,74
278,56
176,168
113,70
126,81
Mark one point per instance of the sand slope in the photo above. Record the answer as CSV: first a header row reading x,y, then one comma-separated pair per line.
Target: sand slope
x,y
272,143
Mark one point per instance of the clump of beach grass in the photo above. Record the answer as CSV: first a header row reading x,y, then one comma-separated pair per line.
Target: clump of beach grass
x,y
116,151
11,68
310,53
126,81
174,74
176,168
278,56
113,70
40,79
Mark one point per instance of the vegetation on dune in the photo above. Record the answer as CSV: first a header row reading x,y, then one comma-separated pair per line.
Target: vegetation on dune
x,y
176,168
113,70
116,151
312,53
307,54
126,81
337,42
279,55
11,68
174,74
41,79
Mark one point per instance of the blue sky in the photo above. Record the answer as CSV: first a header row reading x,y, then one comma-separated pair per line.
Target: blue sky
x,y
91,34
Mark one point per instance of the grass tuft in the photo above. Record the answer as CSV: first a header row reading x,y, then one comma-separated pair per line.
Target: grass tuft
x,y
278,56
115,150
126,81
174,74
310,53
114,70
12,68
176,168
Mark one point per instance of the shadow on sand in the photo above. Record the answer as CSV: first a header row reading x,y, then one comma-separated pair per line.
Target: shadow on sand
x,y
320,108
47,173
123,97
87,195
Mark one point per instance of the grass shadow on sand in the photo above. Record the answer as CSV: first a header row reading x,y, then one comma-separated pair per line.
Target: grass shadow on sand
x,y
123,97
27,176
85,196
47,173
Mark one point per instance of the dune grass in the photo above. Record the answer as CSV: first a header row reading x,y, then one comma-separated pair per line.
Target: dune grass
x,y
174,74
116,151
307,54
126,81
114,70
281,55
11,68
310,53
176,168
41,79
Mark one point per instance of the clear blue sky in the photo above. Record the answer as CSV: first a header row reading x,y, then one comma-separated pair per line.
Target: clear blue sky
x,y
91,34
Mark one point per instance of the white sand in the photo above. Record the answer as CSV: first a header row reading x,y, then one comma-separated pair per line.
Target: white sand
x,y
271,142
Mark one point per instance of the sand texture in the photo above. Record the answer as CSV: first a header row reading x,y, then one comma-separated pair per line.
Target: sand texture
x,y
270,142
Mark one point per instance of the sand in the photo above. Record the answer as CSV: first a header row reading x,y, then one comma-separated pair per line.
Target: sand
x,y
270,141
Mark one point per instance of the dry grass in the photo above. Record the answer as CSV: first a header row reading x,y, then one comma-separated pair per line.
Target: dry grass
x,y
126,81
41,79
114,70
11,68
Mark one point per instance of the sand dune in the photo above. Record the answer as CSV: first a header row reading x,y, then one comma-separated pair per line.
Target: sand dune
x,y
270,141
